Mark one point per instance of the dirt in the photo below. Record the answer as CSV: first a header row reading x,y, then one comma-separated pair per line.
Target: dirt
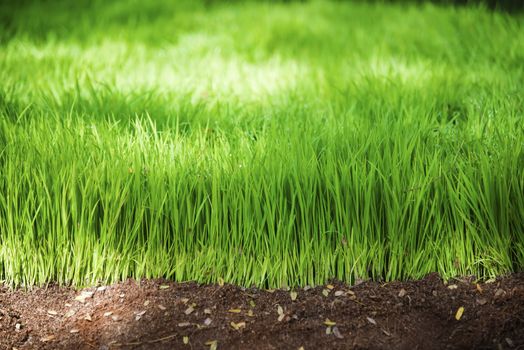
x,y
157,314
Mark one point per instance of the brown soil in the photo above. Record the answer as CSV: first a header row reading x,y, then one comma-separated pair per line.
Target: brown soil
x,y
157,314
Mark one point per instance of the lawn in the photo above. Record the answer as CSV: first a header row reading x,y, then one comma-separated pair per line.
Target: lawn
x,y
258,143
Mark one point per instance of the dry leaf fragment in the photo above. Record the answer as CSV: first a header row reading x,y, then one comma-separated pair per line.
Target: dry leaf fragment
x,y
350,292
402,293
386,332
212,344
161,307
270,290
330,286
250,313
238,326
208,321
281,314
116,318
479,288
252,303
499,292
185,340
359,281
83,296
52,312
189,310
70,313
74,330
107,314
146,302
207,311
482,301
48,338
328,330
372,321
184,324
452,286
235,311
339,293
140,313
87,317
293,295
87,294
184,300
325,292
164,286
459,313
337,333
301,348
328,322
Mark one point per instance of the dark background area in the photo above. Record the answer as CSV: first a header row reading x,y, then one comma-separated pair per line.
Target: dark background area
x,y
511,6
503,5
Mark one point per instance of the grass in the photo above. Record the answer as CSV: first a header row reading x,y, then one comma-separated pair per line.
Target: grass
x,y
263,144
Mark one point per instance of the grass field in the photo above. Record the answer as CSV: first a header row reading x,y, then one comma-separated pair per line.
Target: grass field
x,y
268,144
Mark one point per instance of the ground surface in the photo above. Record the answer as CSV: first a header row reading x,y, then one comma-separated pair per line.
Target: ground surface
x,y
158,314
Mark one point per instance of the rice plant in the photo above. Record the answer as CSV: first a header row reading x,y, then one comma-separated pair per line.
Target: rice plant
x,y
259,143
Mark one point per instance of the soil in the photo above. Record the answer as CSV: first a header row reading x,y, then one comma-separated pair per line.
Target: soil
x,y
158,314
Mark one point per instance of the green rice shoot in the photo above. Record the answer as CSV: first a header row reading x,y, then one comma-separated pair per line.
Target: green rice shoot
x,y
266,144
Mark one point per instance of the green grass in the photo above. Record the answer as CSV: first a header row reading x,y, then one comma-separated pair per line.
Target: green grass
x,y
266,144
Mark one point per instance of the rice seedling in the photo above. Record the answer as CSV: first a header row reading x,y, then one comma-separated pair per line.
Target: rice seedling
x,y
262,144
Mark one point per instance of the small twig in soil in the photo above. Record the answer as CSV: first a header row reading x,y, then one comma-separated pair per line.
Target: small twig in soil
x,y
146,342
